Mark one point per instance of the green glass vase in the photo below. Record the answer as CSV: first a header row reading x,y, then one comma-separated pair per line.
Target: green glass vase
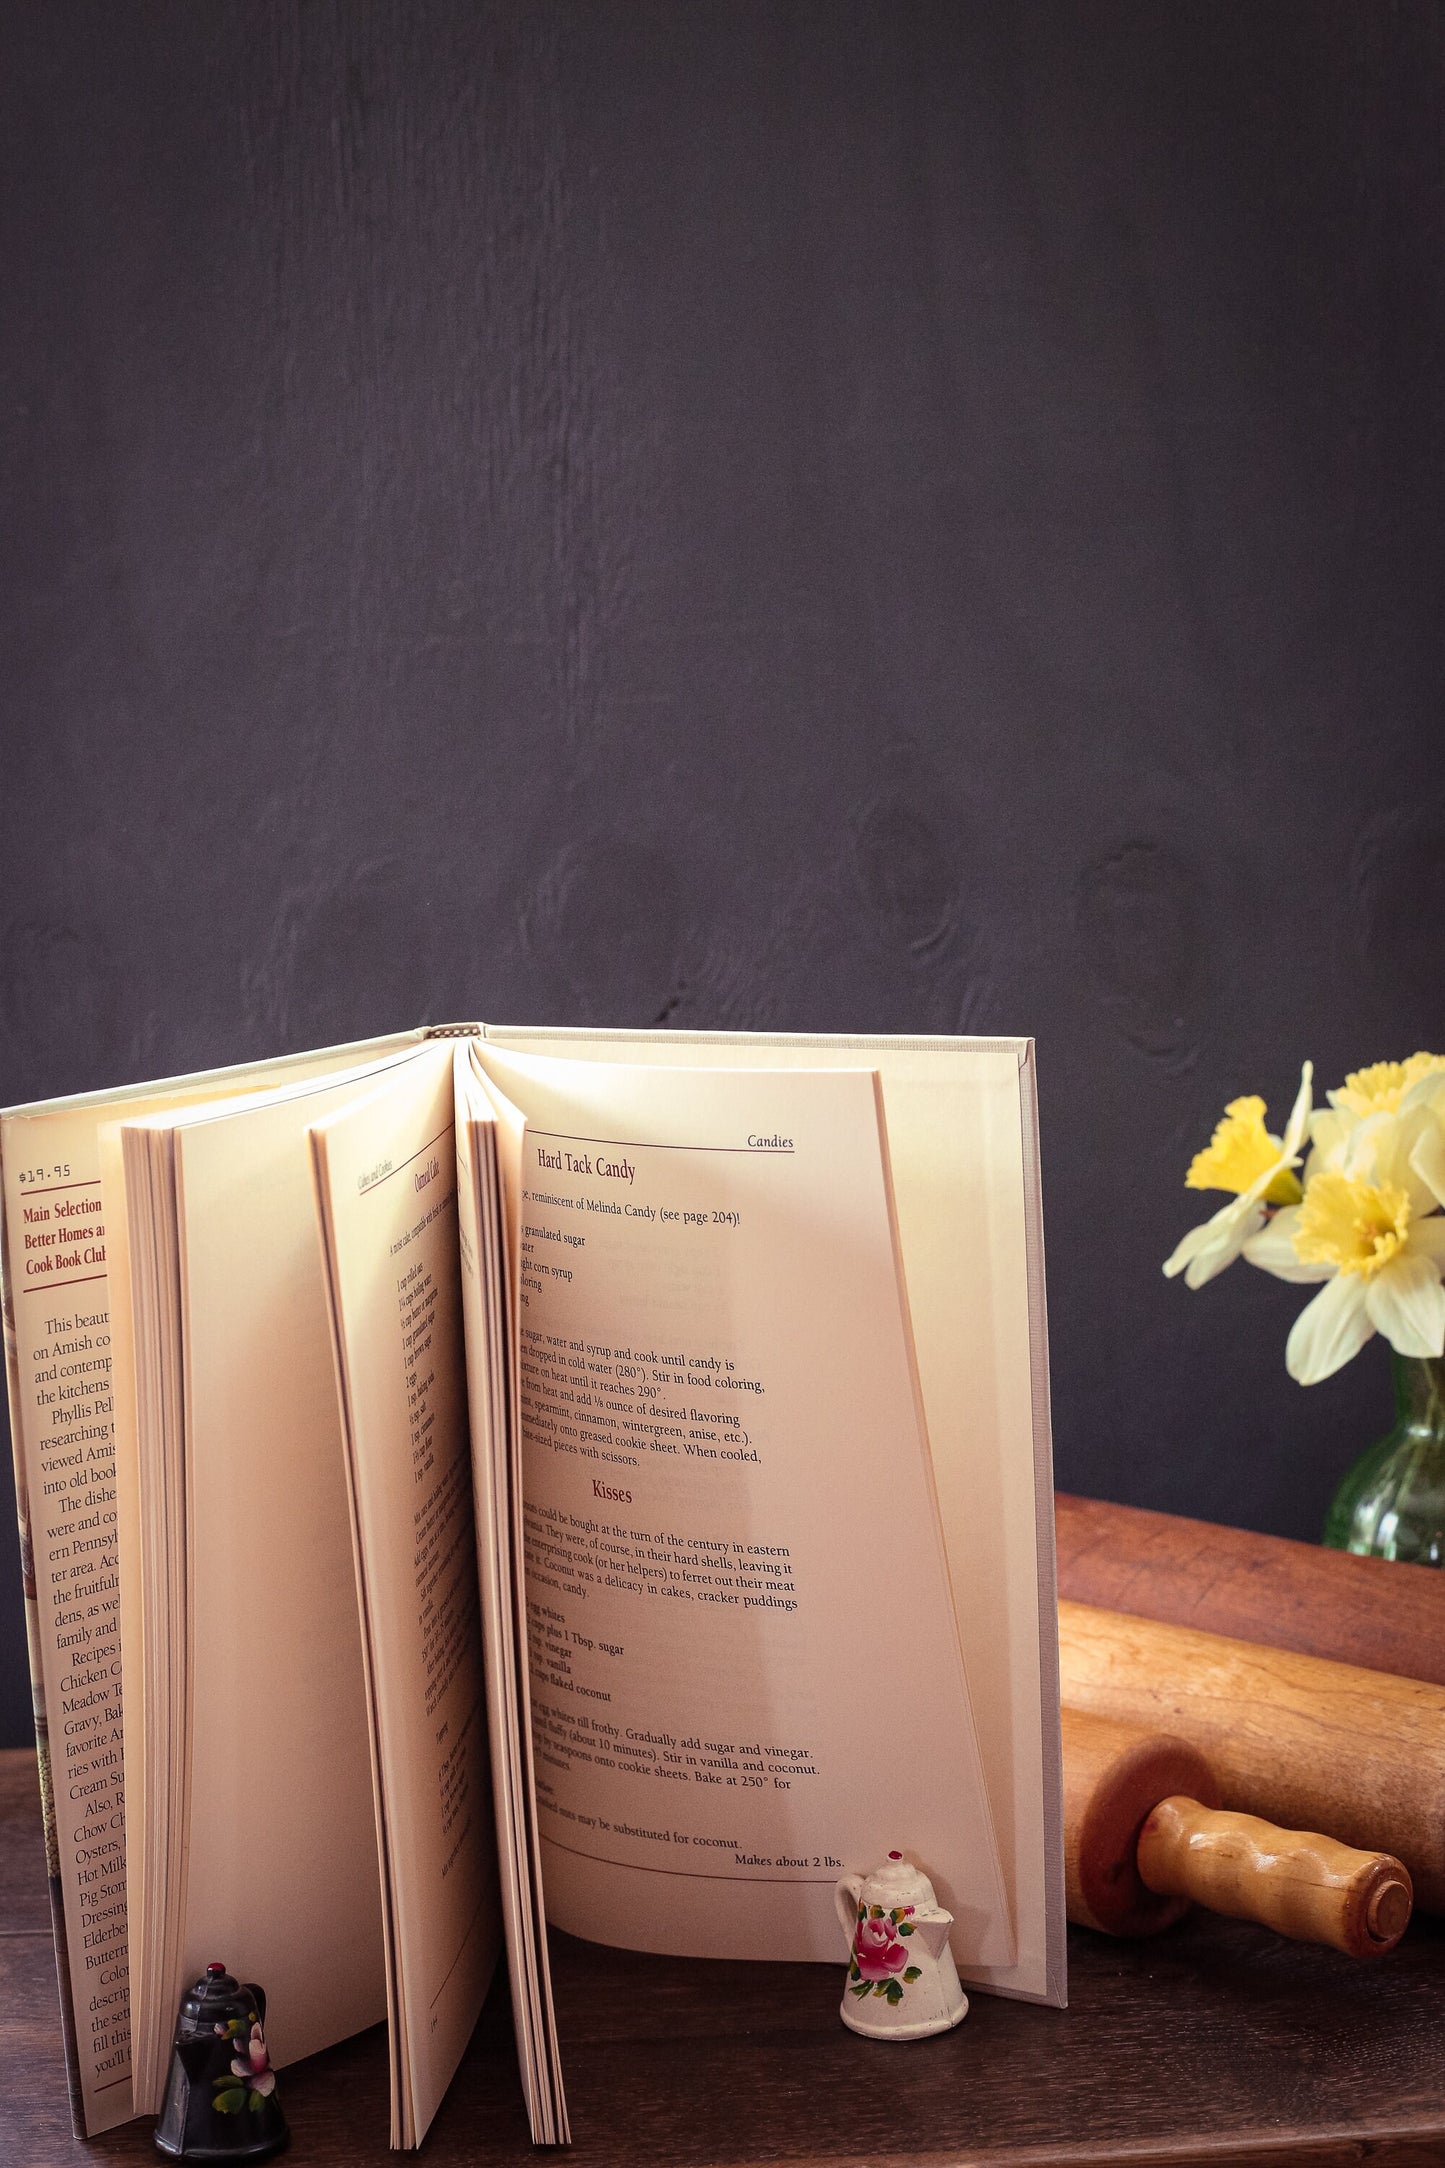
x,y
1392,1502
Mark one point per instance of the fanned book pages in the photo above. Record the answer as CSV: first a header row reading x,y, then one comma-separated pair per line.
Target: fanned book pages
x,y
531,1461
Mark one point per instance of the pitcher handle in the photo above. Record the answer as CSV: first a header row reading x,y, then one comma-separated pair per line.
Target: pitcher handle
x,y
847,1896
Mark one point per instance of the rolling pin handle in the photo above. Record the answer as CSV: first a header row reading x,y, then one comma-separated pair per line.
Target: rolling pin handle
x,y
1302,1884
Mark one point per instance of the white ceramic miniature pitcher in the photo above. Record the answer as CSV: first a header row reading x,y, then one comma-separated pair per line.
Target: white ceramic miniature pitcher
x,y
902,1982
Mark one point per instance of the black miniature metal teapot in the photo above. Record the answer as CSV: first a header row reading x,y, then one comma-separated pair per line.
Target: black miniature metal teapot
x,y
220,2101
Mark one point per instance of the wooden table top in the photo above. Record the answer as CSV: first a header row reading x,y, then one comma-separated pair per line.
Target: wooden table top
x,y
1215,2043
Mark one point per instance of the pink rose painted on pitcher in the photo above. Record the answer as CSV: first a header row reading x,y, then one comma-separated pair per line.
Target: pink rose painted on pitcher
x,y
879,1951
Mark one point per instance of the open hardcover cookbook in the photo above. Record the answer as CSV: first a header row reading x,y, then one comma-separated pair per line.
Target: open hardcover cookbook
x,y
483,1478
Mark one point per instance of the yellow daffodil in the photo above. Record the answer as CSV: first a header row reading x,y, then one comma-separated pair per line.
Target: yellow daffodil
x,y
1258,1168
1380,1253
1241,1150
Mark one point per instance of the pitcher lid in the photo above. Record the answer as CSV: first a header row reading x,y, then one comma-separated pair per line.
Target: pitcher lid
x,y
217,1995
895,1882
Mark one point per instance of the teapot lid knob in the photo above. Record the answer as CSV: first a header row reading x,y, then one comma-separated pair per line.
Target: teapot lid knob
x,y
896,1881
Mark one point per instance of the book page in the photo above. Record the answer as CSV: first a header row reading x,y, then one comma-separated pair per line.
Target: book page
x,y
58,1336
735,1569
278,1745
59,1253
487,1305
386,1178
962,1127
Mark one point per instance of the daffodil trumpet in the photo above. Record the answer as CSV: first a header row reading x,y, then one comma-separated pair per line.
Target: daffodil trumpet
x,y
1365,1224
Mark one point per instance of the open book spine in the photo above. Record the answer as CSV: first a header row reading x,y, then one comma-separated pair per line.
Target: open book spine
x,y
37,1692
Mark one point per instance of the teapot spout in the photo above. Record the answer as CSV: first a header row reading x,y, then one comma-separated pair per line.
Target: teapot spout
x,y
931,1928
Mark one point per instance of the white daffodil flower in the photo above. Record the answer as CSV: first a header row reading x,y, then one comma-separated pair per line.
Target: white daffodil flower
x,y
1243,1157
1426,1098
1384,1087
1380,1249
1368,1104
1384,1123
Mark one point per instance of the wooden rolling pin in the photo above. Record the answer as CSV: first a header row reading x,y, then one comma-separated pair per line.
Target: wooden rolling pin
x,y
1143,1840
1305,1743
1370,1611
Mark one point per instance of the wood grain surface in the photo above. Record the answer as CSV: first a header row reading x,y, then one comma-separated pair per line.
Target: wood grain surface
x,y
1300,1596
1307,1744
1213,2043
24,1898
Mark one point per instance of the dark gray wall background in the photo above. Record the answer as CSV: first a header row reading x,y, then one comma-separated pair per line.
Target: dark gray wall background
x,y
905,518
